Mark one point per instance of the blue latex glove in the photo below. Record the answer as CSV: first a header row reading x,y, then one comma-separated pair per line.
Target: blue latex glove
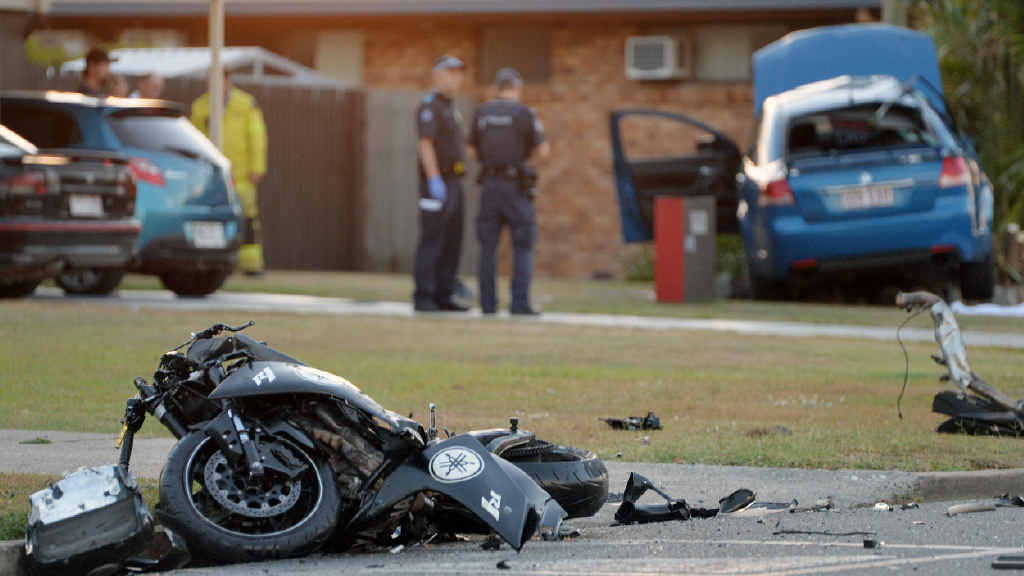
x,y
438,190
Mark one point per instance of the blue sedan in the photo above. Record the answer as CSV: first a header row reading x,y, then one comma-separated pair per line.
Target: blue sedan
x,y
190,214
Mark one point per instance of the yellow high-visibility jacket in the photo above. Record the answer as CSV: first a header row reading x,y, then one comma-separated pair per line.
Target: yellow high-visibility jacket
x,y
244,134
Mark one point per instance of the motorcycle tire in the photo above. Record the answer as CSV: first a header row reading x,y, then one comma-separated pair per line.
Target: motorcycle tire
x,y
577,479
188,466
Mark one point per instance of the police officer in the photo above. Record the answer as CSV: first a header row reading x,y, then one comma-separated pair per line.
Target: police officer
x,y
505,134
440,198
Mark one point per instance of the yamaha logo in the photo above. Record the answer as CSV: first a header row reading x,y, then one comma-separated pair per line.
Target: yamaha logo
x,y
456,464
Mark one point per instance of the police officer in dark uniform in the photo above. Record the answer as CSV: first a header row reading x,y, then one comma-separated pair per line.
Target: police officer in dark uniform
x,y
504,135
441,203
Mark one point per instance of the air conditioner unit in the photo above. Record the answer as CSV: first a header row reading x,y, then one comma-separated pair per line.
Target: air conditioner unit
x,y
656,58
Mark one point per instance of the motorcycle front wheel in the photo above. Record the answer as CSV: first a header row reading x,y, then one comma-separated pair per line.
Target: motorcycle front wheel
x,y
225,516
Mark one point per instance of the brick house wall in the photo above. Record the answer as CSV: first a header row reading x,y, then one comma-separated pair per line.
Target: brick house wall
x,y
578,214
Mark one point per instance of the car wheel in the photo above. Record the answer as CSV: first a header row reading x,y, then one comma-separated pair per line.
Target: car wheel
x,y
978,279
194,282
18,289
92,281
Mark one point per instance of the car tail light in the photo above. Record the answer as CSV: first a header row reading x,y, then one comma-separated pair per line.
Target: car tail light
x,y
26,184
776,193
955,172
128,185
145,170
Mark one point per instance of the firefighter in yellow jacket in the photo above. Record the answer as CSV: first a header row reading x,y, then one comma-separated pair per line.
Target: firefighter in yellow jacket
x,y
245,145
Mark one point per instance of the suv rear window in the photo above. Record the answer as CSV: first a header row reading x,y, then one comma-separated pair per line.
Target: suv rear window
x,y
44,126
162,130
857,128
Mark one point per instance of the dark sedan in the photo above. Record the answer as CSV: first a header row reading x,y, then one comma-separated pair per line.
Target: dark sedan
x,y
61,211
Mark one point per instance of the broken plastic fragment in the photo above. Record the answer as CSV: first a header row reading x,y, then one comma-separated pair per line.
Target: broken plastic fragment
x,y
649,422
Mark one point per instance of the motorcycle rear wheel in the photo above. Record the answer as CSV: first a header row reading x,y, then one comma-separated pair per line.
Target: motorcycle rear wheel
x,y
577,479
241,520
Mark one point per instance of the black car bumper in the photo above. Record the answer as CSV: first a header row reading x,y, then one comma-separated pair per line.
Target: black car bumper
x,y
32,249
176,253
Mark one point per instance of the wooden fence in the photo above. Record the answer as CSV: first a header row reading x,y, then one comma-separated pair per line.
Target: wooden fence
x,y
341,186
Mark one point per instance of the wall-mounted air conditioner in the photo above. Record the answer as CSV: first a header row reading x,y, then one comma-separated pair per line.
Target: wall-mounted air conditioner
x,y
657,58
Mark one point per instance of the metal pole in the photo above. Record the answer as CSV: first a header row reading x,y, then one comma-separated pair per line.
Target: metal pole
x,y
216,73
894,12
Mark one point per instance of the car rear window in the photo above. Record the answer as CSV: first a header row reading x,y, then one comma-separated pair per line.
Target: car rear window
x,y
162,130
44,126
858,128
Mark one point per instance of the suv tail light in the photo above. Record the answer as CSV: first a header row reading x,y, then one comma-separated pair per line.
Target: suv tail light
x,y
26,184
145,170
776,193
955,172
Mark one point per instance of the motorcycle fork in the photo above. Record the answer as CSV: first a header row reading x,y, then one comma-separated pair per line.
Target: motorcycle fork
x,y
230,434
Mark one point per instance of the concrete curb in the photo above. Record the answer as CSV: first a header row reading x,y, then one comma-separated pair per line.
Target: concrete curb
x,y
939,486
10,557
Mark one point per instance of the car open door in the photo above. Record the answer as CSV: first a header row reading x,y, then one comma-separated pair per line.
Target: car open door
x,y
711,170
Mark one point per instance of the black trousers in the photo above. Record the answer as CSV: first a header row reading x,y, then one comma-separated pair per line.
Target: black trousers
x,y
503,204
440,244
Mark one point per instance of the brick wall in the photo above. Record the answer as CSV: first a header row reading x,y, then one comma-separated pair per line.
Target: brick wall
x,y
578,215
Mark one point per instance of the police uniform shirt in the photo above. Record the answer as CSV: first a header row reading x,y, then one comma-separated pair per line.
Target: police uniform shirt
x,y
504,133
439,121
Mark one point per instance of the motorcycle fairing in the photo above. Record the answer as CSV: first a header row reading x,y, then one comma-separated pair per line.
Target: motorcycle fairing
x,y
498,493
270,378
207,348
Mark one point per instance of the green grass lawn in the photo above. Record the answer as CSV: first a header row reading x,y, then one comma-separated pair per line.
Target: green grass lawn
x,y
604,297
69,366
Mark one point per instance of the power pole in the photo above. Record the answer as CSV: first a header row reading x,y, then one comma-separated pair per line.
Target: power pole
x,y
216,73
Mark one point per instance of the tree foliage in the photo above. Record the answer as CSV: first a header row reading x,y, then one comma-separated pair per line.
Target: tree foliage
x,y
981,53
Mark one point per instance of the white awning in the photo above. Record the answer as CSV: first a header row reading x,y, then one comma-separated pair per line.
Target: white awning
x,y
247,63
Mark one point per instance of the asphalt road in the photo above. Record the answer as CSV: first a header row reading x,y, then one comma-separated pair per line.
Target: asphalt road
x,y
922,539
261,302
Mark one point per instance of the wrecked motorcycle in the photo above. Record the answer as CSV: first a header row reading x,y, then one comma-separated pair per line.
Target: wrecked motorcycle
x,y
986,410
276,459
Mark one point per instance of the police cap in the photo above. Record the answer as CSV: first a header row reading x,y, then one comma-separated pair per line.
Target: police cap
x,y
449,62
507,76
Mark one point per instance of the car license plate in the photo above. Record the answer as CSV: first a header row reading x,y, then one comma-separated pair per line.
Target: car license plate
x,y
208,234
85,206
866,197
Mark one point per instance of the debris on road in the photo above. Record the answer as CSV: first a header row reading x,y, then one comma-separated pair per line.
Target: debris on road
x,y
630,512
649,422
969,508
1008,563
503,565
736,501
820,505
789,532
101,507
492,542
1007,501
758,509
872,543
988,410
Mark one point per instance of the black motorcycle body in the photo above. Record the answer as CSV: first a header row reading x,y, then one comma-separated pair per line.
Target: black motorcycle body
x,y
275,458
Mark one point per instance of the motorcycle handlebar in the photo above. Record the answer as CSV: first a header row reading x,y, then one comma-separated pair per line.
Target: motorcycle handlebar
x,y
215,330
910,300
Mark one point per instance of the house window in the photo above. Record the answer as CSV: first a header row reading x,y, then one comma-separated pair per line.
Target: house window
x,y
339,54
527,49
724,52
